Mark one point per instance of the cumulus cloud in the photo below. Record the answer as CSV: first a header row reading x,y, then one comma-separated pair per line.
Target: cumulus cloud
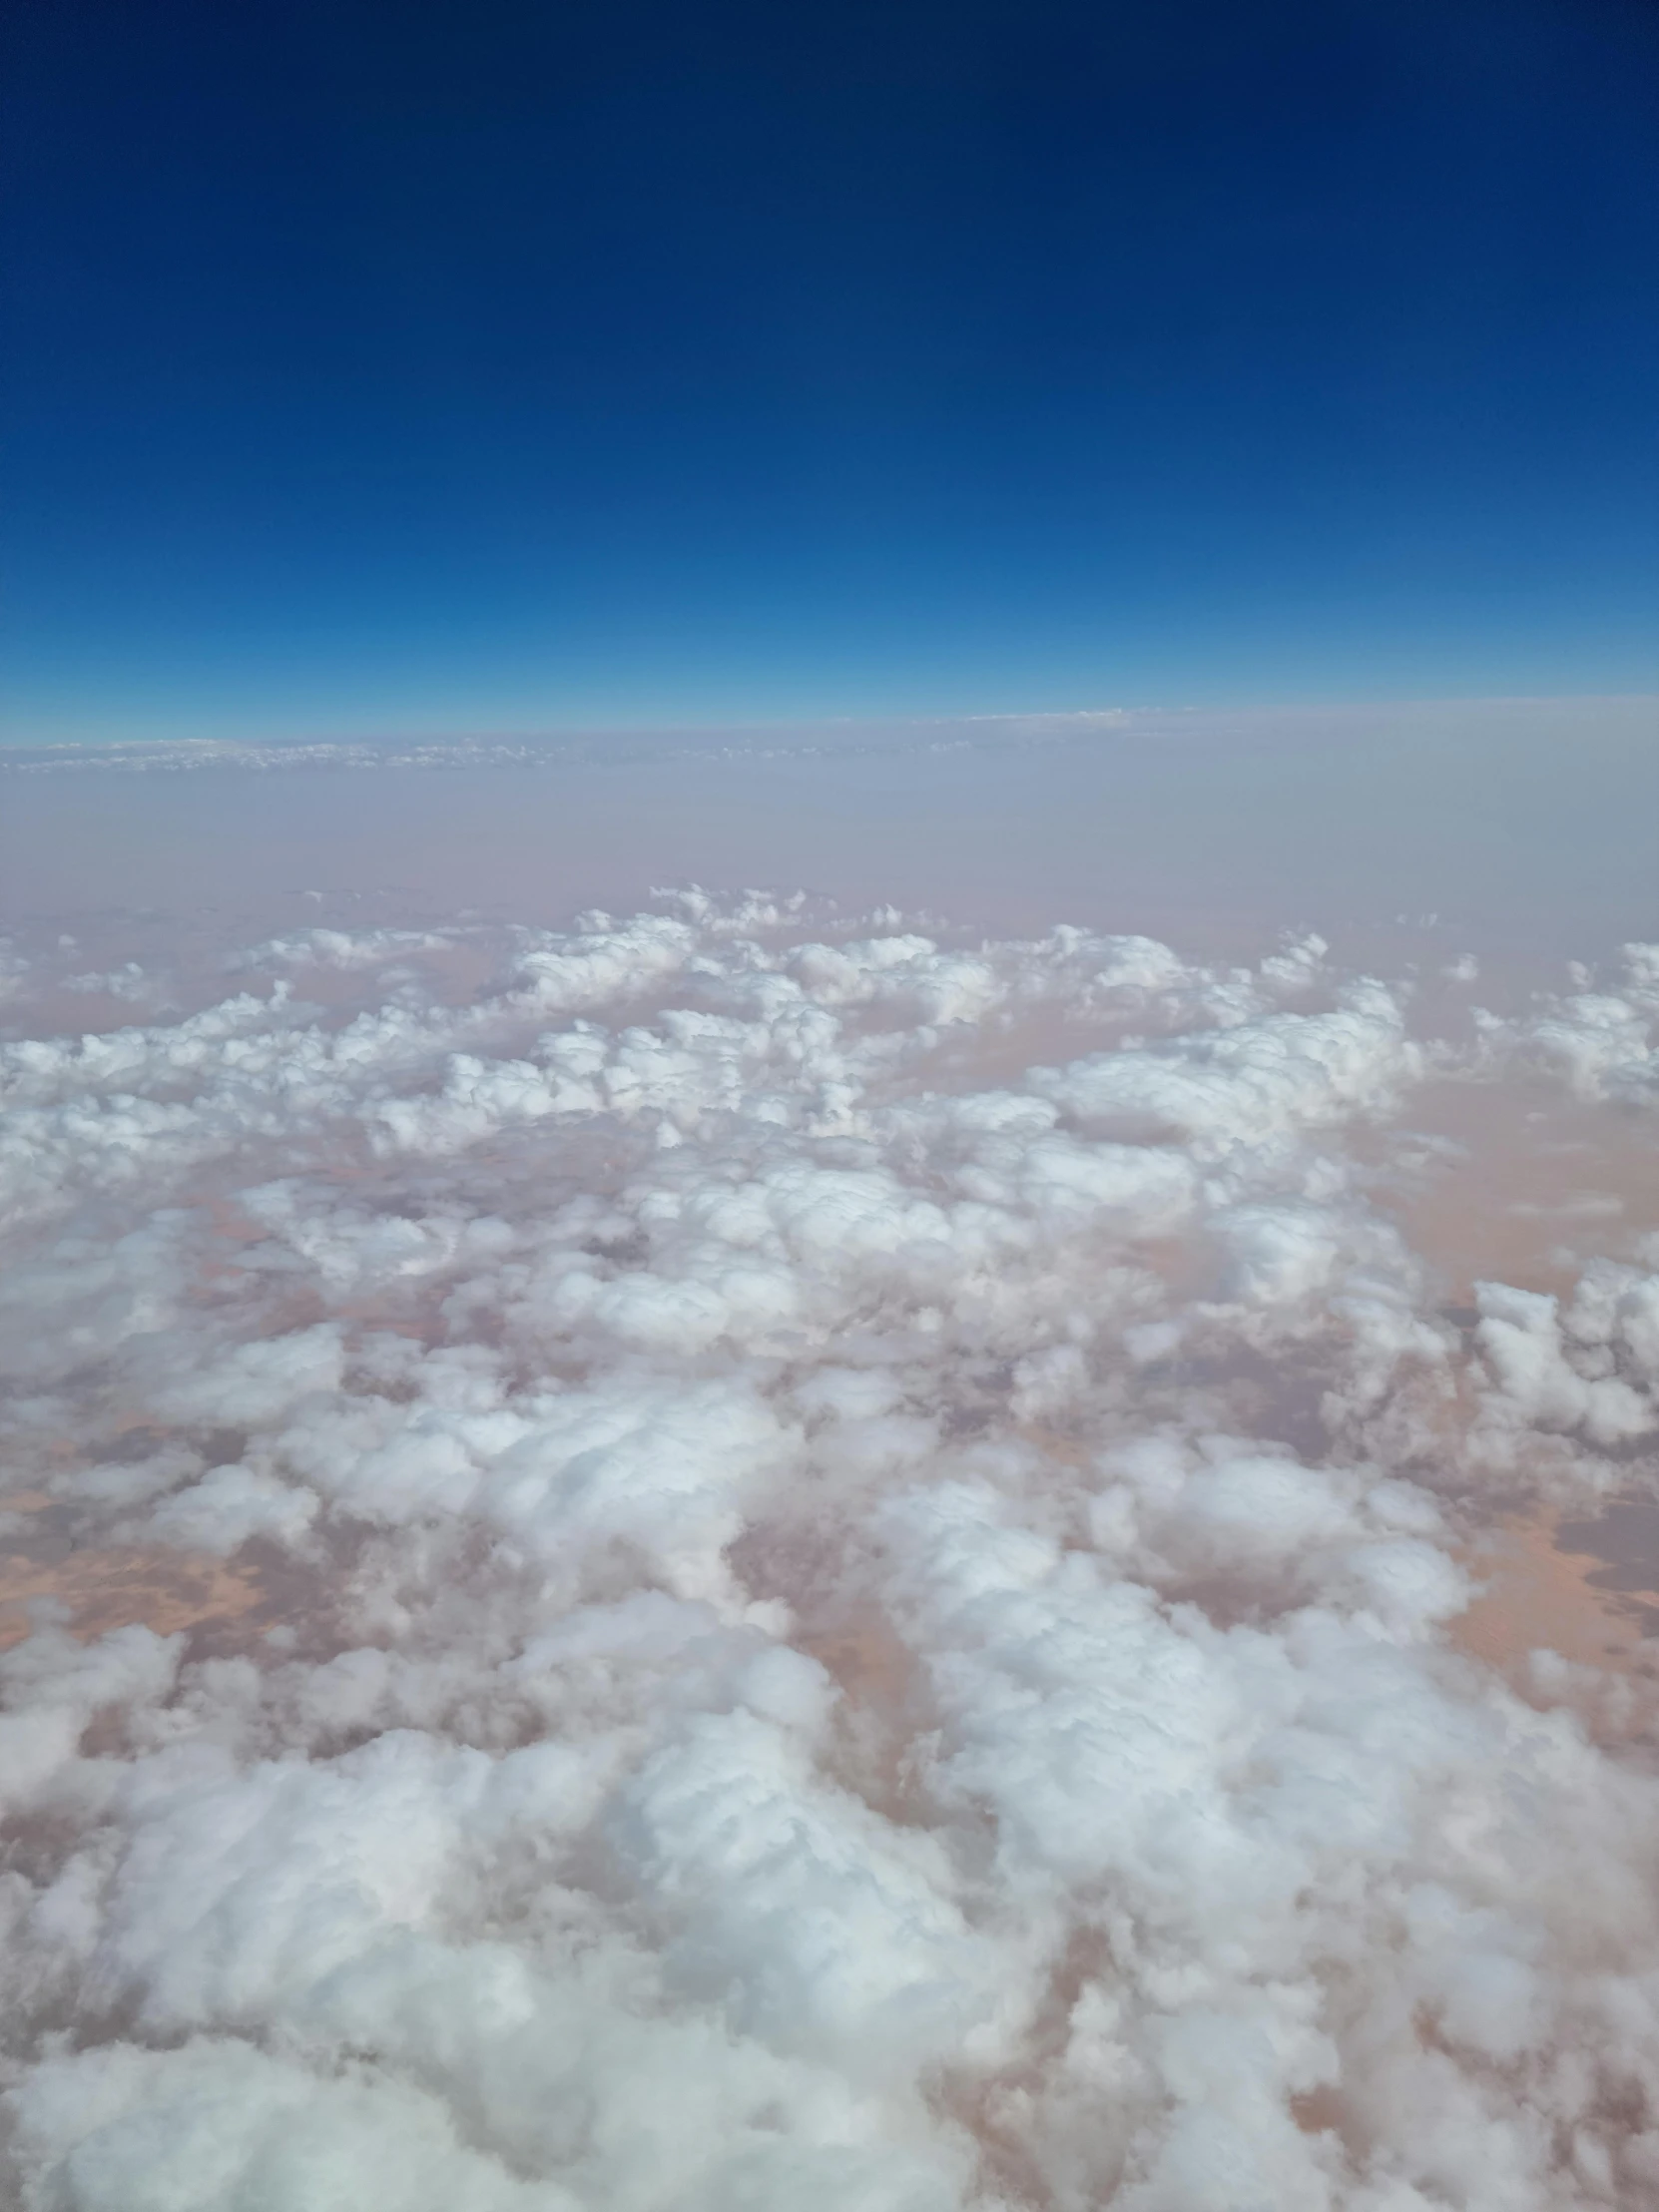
x,y
859,1529
1600,1043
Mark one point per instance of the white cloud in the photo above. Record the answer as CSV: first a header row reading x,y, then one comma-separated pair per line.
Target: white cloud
x,y
1537,1379
1600,1043
229,1505
869,1521
219,2127
1264,1080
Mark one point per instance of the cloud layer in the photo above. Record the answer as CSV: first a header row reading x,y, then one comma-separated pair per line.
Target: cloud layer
x,y
850,1543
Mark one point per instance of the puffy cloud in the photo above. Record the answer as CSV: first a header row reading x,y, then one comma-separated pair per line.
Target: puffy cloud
x,y
1248,1085
229,1505
1599,1042
859,1529
339,948
215,2124
1537,1379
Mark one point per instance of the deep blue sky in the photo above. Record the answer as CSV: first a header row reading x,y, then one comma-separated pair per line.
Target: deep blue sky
x,y
468,363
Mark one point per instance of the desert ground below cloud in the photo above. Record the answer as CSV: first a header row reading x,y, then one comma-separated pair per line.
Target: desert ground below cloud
x,y
978,1529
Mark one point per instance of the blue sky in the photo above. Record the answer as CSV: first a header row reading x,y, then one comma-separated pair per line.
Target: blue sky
x,y
471,364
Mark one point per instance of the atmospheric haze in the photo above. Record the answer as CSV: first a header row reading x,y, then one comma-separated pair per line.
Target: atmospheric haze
x,y
972,1533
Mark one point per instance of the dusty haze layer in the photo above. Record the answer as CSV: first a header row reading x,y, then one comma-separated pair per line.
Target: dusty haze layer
x,y
981,1540
1525,827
